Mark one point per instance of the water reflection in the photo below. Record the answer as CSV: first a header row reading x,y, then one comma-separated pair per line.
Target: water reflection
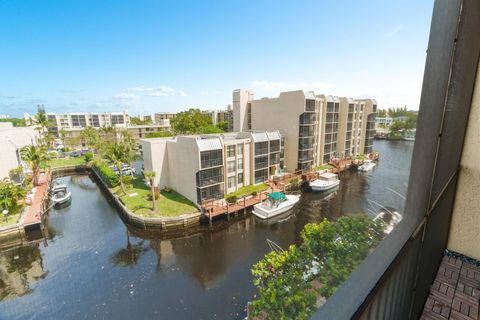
x,y
97,268
20,269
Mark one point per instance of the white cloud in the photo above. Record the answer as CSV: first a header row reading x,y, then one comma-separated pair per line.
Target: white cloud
x,y
126,96
161,92
182,93
272,86
140,89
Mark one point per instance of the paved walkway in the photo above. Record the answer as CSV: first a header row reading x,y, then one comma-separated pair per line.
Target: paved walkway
x,y
35,209
455,293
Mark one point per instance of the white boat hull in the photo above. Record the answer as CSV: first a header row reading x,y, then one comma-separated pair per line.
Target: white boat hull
x,y
263,212
63,199
318,185
366,167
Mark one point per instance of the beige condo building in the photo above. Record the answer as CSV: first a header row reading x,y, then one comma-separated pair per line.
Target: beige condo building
x,y
207,167
316,128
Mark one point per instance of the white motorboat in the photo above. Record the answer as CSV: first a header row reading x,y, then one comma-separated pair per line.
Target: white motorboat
x,y
57,187
390,217
275,204
325,181
60,194
367,166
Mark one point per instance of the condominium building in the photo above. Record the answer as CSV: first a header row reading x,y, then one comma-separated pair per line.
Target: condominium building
x,y
206,167
218,116
12,139
161,116
316,128
82,120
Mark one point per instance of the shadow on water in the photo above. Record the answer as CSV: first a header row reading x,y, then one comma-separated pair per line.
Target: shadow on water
x,y
96,267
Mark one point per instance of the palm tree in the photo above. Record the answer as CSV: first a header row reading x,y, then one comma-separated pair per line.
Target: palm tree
x,y
91,137
150,175
62,135
36,157
116,155
130,146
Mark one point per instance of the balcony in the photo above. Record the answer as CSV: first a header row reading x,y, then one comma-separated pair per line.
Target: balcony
x,y
411,275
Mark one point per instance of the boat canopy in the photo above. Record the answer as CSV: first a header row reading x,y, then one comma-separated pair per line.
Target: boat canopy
x,y
276,196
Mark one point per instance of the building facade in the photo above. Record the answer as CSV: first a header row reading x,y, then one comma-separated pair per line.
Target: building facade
x,y
207,167
12,139
316,128
82,120
159,117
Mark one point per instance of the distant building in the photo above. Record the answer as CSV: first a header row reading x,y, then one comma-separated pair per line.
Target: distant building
x,y
12,139
316,128
81,120
221,116
207,167
4,116
160,116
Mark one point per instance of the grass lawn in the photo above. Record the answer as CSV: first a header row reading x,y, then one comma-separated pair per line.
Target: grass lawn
x,y
244,191
170,204
63,162
324,167
11,219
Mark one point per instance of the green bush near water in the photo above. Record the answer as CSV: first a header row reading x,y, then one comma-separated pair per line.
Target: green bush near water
x,y
108,175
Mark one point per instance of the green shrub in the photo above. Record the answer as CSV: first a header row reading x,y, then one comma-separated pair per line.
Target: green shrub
x,y
127,180
254,193
108,175
88,157
231,199
294,181
149,196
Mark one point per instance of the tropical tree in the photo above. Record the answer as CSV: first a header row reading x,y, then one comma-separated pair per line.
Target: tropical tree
x,y
150,175
90,137
192,121
329,252
130,147
223,125
10,194
36,157
108,134
62,134
115,154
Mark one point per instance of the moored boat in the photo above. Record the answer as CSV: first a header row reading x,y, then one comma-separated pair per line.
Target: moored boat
x,y
367,166
275,204
325,182
60,194
390,218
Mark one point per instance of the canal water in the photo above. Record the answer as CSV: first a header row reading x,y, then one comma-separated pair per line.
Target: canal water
x,y
92,267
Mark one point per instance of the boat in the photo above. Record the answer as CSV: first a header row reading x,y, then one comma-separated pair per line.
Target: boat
x,y
57,187
325,182
275,204
60,194
390,217
367,166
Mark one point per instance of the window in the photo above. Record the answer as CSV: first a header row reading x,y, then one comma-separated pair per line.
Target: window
x,y
261,162
261,148
274,145
231,182
231,166
240,178
240,150
211,158
240,164
231,151
261,175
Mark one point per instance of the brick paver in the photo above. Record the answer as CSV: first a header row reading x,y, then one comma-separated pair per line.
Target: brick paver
x,y
455,293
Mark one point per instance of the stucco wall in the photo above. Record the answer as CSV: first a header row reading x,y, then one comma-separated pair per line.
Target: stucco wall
x,y
465,227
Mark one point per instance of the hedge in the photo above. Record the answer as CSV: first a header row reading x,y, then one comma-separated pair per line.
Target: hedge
x,y
108,175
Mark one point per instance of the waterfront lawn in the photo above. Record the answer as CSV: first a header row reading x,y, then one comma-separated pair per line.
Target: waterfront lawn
x,y
247,190
169,204
64,162
11,219
324,167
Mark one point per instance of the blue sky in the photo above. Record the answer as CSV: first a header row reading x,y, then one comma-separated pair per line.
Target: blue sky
x,y
149,56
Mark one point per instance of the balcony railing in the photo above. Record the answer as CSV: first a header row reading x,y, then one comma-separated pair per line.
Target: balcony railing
x,y
211,163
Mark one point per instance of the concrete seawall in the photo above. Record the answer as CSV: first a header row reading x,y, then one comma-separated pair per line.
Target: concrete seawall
x,y
144,223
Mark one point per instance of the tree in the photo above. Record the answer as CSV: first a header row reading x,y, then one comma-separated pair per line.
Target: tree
x,y
10,194
62,134
90,137
159,134
150,175
115,154
130,147
192,121
137,122
41,120
223,125
329,252
36,157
